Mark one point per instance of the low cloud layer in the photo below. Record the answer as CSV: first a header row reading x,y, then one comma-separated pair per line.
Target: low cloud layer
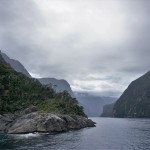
x,y
98,46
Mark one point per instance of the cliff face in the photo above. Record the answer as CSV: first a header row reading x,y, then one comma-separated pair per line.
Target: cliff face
x,y
108,110
57,85
135,101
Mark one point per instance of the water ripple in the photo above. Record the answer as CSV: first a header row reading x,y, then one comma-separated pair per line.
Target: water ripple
x,y
110,134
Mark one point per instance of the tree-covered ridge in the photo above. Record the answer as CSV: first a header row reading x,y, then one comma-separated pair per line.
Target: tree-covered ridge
x,y
18,92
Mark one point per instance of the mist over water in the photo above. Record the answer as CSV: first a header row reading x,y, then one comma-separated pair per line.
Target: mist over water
x,y
109,134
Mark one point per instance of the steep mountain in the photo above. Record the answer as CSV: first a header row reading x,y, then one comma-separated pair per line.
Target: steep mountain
x,y
108,110
93,105
15,64
135,101
18,92
57,85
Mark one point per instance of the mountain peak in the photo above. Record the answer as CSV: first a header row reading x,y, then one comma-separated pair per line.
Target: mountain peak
x,y
57,85
16,65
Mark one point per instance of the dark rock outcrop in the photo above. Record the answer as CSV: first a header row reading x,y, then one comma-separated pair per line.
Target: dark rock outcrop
x,y
42,122
135,101
108,110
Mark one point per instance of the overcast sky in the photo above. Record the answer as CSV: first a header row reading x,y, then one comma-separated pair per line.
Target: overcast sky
x,y
98,46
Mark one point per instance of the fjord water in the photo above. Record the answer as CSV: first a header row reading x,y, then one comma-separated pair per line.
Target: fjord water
x,y
109,134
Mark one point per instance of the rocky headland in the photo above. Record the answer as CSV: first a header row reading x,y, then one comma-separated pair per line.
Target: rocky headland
x,y
30,120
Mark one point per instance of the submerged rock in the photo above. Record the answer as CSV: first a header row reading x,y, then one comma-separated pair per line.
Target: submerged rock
x,y
42,122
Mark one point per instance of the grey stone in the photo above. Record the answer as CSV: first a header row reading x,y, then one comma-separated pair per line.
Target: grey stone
x,y
43,122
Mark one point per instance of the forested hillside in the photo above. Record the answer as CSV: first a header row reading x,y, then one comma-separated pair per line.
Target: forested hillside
x,y
18,92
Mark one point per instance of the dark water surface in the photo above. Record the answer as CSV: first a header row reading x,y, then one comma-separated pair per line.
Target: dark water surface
x,y
110,134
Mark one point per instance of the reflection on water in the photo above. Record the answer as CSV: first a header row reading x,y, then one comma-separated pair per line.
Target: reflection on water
x,y
110,134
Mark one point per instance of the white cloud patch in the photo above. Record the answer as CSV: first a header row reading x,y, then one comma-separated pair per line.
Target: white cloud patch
x,y
95,21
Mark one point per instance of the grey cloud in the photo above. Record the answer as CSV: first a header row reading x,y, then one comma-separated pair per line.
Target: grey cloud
x,y
67,42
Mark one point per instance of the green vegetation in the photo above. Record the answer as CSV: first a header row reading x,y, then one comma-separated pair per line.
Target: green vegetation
x,y
18,92
62,104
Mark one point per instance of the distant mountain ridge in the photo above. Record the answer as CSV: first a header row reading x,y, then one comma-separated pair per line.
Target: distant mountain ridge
x,y
57,85
135,101
93,105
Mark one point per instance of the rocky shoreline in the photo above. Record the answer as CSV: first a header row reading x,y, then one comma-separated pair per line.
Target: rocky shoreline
x,y
33,121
